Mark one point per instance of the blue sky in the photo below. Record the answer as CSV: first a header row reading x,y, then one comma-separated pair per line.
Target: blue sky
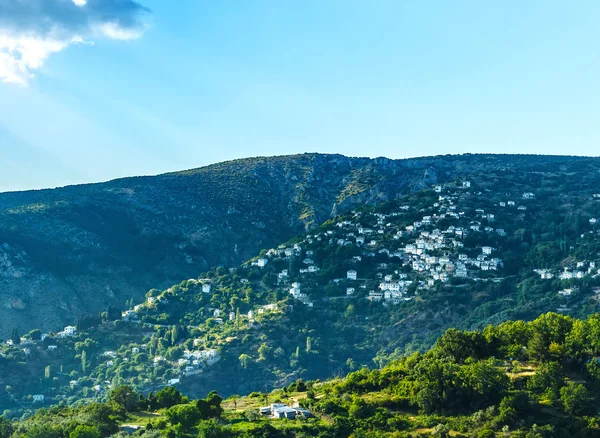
x,y
196,82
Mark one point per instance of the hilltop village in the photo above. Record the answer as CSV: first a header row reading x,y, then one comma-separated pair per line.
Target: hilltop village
x,y
451,235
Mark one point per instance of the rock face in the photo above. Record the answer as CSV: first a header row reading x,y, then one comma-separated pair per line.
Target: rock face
x,y
76,250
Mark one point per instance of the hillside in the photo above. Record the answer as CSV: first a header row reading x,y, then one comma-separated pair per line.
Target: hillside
x,y
80,249
365,288
533,380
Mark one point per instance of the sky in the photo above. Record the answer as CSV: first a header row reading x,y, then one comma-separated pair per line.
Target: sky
x,y
99,89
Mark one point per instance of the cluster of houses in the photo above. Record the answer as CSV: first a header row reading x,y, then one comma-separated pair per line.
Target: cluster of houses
x,y
419,252
576,271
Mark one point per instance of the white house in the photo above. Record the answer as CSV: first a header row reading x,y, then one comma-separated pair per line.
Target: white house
x,y
375,296
68,331
38,398
206,288
351,275
487,250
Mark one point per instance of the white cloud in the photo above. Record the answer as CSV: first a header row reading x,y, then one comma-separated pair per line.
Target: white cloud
x,y
32,30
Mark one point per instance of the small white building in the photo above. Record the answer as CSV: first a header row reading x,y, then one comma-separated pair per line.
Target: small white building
x,y
38,398
261,262
351,274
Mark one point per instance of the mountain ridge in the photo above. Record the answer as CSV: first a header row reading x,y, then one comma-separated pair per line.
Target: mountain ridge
x,y
74,250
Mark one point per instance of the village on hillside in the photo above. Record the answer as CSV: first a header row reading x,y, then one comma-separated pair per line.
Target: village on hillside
x,y
449,235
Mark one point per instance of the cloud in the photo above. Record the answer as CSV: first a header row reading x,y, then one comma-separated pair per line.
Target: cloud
x,y
32,30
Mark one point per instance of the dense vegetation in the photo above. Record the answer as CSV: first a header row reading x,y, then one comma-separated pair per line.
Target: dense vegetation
x,y
517,379
77,250
251,334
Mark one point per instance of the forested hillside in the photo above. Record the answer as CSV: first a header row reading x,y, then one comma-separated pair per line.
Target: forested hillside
x,y
365,288
532,380
80,249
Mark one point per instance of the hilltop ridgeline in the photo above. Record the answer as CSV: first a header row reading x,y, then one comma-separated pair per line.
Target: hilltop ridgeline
x,y
76,250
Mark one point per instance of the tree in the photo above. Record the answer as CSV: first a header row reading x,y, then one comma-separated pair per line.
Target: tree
x,y
83,431
252,415
212,429
84,363
187,416
167,397
245,360
575,398
125,397
483,384
6,428
265,352
174,335
458,346
204,409
101,416
35,335
548,378
16,339
214,401
537,348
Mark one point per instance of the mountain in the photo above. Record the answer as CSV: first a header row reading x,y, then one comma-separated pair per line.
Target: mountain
x,y
363,289
77,250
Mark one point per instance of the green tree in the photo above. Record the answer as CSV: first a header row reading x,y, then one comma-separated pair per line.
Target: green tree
x,y
186,416
265,352
575,398
245,360
212,429
83,431
35,335
167,397
16,339
483,384
101,416
252,415
458,346
214,401
6,428
84,362
125,397
548,378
